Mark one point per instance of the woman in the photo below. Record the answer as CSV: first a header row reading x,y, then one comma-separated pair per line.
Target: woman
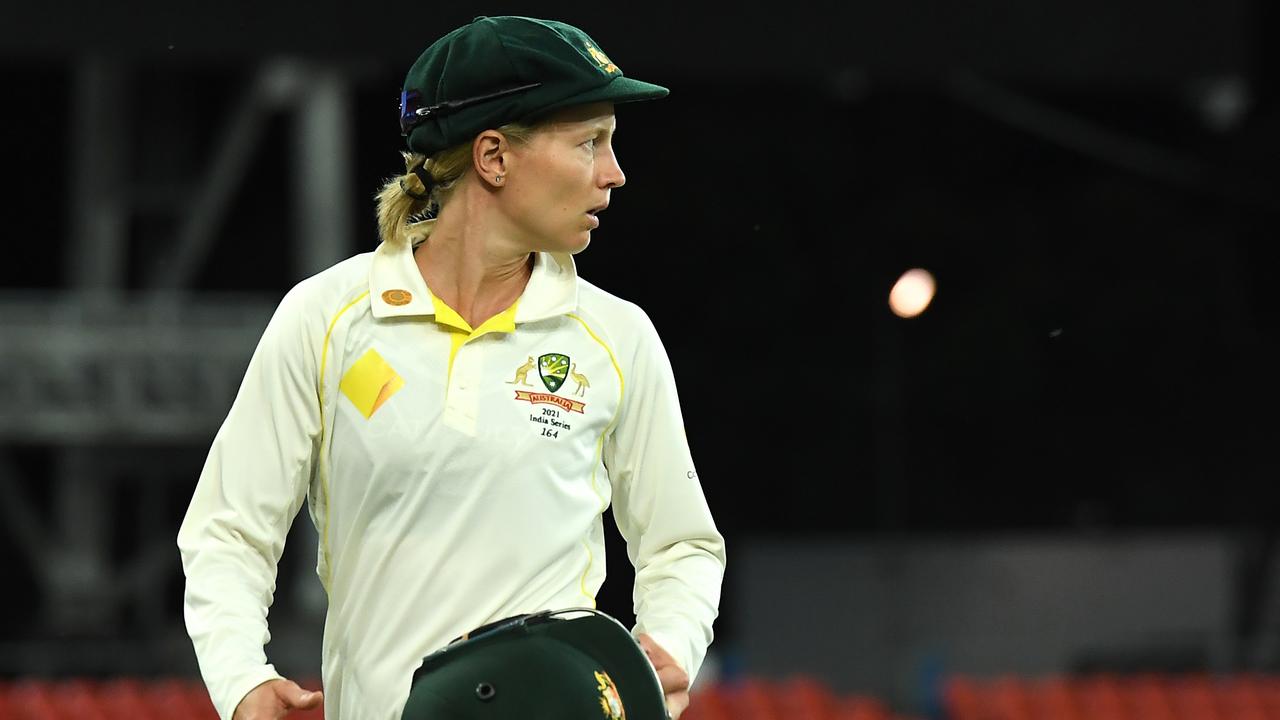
x,y
458,407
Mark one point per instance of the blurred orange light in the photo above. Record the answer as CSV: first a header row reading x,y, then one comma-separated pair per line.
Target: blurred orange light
x,y
912,293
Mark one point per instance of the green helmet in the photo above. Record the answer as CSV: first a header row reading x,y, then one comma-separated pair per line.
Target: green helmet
x,y
540,666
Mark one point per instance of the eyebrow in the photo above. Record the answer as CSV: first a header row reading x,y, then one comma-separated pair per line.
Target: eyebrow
x,y
597,127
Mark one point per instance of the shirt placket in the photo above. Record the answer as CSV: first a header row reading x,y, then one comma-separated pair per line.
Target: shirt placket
x,y
462,398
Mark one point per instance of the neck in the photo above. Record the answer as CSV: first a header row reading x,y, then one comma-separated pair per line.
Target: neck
x,y
470,265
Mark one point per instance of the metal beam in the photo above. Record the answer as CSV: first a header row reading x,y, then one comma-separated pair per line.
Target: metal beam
x,y
99,216
322,173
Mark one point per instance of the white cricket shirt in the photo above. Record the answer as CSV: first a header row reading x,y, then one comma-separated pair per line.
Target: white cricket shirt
x,y
456,476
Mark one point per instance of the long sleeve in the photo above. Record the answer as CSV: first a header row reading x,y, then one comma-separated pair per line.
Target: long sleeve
x,y
253,483
661,510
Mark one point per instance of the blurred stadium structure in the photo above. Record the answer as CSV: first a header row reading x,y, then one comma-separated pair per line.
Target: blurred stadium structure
x,y
180,166
1094,697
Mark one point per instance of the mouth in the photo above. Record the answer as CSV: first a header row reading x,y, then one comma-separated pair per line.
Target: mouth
x,y
595,221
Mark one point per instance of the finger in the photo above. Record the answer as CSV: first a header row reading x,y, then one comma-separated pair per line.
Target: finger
x,y
263,702
311,700
672,679
677,703
656,653
646,644
295,698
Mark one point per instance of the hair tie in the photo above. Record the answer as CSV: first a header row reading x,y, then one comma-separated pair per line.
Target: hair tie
x,y
425,178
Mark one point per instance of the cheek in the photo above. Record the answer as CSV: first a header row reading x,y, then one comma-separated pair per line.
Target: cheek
x,y
566,190
544,206
558,189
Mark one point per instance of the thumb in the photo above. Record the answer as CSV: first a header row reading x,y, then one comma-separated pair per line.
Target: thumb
x,y
656,653
295,698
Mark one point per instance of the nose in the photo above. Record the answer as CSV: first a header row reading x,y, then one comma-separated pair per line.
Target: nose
x,y
611,175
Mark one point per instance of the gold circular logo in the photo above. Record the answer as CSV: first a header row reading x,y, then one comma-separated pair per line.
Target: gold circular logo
x,y
397,297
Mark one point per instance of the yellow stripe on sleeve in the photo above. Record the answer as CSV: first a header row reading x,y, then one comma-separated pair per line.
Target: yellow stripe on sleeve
x,y
324,476
621,393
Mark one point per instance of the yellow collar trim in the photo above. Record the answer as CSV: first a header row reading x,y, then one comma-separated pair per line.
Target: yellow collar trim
x,y
504,321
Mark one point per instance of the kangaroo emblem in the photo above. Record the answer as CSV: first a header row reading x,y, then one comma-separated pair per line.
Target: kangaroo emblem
x,y
522,373
580,379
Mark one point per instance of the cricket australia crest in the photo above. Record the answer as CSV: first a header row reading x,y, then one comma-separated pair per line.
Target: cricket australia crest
x,y
553,368
610,701
602,60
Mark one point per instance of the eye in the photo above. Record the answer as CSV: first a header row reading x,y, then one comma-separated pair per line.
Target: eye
x,y
590,144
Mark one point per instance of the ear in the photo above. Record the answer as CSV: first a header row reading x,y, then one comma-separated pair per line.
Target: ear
x,y
489,157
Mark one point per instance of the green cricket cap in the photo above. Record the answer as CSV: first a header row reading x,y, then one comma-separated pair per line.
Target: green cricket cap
x,y
539,667
496,70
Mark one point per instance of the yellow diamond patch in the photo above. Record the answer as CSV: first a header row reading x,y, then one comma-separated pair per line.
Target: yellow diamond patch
x,y
370,382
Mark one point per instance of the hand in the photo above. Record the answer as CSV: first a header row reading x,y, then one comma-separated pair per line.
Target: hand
x,y
674,680
275,699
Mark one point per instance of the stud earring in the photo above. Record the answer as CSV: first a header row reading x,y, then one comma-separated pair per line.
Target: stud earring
x,y
497,178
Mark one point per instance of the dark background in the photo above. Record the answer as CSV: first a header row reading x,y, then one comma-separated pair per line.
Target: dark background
x,y
1094,187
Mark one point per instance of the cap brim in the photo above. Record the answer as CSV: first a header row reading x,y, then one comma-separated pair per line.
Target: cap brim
x,y
609,643
619,90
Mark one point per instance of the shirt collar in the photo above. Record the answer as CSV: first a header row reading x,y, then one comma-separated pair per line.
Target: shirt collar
x,y
396,287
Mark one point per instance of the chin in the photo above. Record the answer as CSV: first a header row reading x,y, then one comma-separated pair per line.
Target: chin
x,y
572,243
575,244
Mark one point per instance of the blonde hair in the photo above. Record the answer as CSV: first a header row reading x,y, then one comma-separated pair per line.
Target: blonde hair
x,y
399,212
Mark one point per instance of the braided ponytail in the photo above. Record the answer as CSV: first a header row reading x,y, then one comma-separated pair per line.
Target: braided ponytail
x,y
406,200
